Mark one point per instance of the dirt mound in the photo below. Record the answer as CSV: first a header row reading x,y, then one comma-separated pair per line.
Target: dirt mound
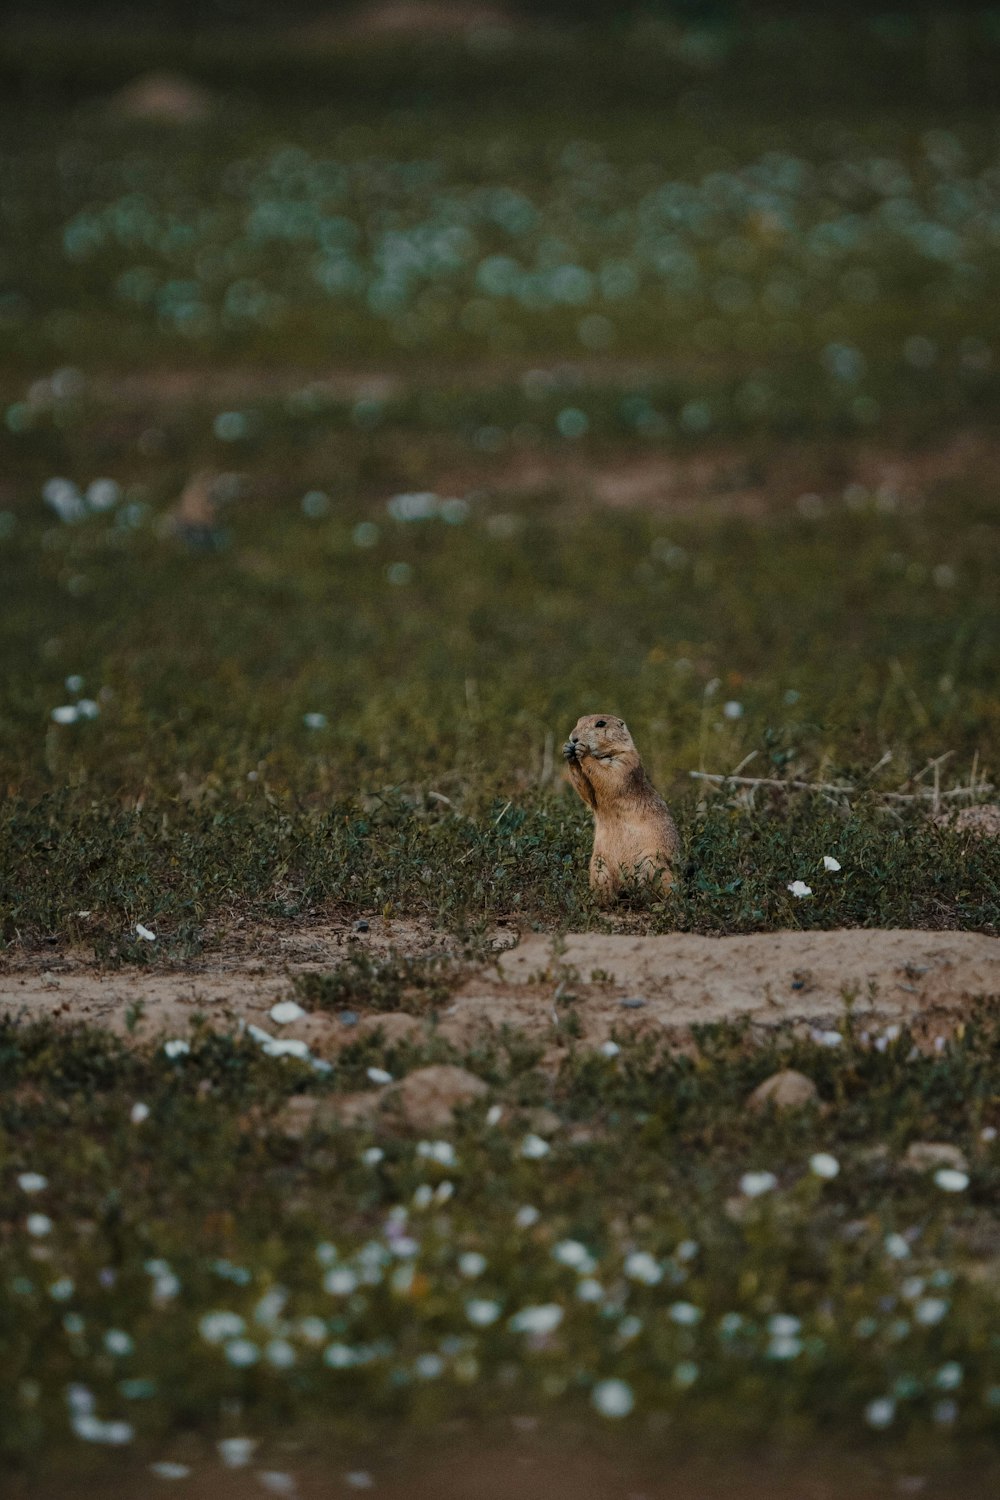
x,y
609,983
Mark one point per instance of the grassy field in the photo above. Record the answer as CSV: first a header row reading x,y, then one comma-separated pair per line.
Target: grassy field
x,y
502,387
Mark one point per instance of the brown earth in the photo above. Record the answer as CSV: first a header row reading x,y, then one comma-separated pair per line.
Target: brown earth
x,y
609,983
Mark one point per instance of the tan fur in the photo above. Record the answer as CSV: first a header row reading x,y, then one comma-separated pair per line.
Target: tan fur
x,y
635,838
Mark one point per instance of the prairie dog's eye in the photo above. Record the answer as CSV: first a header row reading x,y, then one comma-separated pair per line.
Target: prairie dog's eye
x,y
601,724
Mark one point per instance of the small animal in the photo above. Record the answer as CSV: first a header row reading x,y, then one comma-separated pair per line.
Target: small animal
x,y
635,839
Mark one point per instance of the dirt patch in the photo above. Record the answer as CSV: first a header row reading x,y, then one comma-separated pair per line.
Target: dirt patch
x,y
586,986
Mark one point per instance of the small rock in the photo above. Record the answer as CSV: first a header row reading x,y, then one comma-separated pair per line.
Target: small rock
x,y
348,1017
927,1156
427,1097
361,925
788,1089
164,97
633,1002
395,1026
543,1121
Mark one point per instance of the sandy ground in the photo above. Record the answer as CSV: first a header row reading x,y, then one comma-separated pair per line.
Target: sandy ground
x,y
610,983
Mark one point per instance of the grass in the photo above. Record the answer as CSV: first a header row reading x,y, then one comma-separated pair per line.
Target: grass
x,y
409,356
765,1313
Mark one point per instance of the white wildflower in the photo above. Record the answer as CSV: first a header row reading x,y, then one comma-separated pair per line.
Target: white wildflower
x,y
481,1311
471,1264
643,1267
533,1148
822,1164
799,888
379,1075
571,1253
685,1313
541,1319
526,1216
612,1398
880,1413
236,1452
756,1184
139,1113
177,1047
144,933
39,1225
285,1012
32,1182
951,1180
831,864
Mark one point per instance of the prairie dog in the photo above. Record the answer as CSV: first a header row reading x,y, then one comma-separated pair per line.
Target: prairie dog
x,y
635,838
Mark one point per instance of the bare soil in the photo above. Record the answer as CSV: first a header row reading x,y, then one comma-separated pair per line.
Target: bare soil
x,y
612,983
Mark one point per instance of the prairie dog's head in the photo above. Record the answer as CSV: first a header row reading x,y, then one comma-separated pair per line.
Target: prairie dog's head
x,y
601,737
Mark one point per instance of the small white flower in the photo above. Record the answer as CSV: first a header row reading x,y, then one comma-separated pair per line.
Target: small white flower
x,y
428,1366
217,1327
609,1049
277,1483
285,1047
285,1012
359,1479
86,708
784,1346
799,888
236,1452
629,1328
471,1264
166,1470
144,933
896,1247
533,1148
341,1281
685,1374
732,709
880,1413
138,1113
494,1114
542,1319
612,1398
314,721
117,1341
822,1164
442,1152
831,864
526,1216
643,1267
32,1182
66,713
951,1180
826,1038
685,1313
571,1253
930,1311
988,1134
379,1075
756,1184
444,1191
783,1325
423,1197
93,1430
372,1155
39,1225
177,1048
242,1353
686,1250
589,1290
280,1354
339,1357
481,1312
950,1376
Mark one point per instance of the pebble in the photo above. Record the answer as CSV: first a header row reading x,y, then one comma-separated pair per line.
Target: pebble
x,y
347,1017
633,1002
361,926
